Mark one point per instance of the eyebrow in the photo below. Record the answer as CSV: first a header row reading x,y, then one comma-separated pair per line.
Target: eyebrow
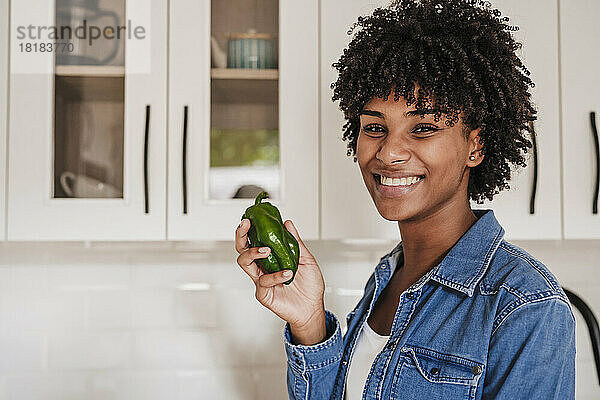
x,y
412,113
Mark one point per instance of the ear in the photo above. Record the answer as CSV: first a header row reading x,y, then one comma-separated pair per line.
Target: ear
x,y
475,147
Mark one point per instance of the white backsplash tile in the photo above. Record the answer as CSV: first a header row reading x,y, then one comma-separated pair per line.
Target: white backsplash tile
x,y
152,386
107,385
24,352
156,350
28,277
84,350
92,277
108,309
197,350
196,307
153,308
31,387
3,389
271,383
230,384
154,276
6,272
26,309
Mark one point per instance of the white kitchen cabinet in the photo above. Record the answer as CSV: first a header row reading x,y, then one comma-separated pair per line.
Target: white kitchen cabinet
x,y
88,149
580,63
87,157
538,32
3,106
272,110
343,190
347,210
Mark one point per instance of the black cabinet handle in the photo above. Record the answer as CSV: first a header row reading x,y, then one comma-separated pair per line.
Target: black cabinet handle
x,y
592,325
535,170
595,133
146,133
184,157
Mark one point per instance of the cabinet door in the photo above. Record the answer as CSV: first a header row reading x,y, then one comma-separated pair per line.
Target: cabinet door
x,y
88,120
580,66
243,114
538,32
3,102
342,182
348,211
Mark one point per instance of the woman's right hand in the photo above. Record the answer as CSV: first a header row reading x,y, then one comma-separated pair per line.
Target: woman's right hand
x,y
301,302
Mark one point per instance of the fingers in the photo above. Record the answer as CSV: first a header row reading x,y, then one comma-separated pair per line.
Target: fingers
x,y
276,278
246,261
241,235
290,227
248,254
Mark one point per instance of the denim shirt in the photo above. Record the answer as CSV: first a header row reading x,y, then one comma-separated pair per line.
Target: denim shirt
x,y
488,322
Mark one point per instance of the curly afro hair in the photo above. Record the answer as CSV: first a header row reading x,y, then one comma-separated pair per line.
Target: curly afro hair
x,y
462,56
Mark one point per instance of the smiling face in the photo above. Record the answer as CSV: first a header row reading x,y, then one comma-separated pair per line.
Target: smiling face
x,y
396,143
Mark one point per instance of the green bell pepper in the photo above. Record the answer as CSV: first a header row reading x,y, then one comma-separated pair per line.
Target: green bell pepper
x,y
267,229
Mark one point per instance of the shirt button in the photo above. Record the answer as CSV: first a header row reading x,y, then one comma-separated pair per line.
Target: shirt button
x,y
434,371
344,362
409,296
477,370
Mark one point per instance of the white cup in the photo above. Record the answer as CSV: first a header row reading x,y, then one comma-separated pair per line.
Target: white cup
x,y
86,187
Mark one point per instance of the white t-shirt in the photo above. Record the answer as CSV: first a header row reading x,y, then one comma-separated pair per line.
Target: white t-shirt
x,y
368,345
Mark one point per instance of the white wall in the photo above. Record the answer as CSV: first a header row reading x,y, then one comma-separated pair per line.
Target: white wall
x,y
179,321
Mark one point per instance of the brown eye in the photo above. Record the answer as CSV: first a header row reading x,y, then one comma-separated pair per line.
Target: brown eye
x,y
425,129
373,128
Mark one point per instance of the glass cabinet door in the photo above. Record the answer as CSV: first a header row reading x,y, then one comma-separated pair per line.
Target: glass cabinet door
x,y
244,137
89,107
244,115
87,140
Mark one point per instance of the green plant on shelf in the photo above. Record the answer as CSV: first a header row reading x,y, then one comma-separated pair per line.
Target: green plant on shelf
x,y
244,147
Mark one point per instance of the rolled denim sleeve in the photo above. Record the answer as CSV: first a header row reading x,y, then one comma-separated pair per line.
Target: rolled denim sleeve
x,y
532,352
312,370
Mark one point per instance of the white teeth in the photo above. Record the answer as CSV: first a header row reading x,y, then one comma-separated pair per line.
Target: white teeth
x,y
398,181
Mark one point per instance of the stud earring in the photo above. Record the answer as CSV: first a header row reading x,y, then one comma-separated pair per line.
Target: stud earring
x,y
472,158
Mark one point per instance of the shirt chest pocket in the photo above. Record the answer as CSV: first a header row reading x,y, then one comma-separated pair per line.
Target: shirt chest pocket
x,y
427,374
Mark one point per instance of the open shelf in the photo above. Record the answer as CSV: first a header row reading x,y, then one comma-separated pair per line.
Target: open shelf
x,y
244,73
90,70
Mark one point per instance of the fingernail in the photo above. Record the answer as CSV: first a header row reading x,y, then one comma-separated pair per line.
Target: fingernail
x,y
287,273
263,249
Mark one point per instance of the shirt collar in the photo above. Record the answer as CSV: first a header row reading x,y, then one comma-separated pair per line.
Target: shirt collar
x,y
466,263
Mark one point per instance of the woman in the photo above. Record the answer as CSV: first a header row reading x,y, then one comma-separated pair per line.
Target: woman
x,y
453,311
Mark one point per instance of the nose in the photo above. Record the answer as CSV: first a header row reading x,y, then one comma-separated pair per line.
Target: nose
x,y
393,149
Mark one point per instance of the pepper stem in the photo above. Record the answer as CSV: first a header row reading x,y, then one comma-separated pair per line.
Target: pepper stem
x,y
260,197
